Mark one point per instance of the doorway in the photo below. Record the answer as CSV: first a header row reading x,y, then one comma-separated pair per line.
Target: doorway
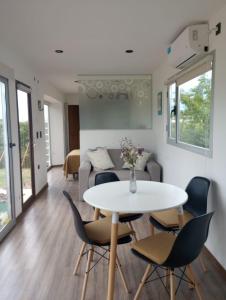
x,y
7,215
25,142
73,127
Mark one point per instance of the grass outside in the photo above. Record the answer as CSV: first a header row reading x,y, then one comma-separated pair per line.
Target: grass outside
x,y
3,207
4,213
26,174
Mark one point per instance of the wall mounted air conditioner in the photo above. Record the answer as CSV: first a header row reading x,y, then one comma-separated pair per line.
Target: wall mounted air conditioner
x,y
191,43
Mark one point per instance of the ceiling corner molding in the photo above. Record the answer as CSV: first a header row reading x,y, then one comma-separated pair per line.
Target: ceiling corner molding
x,y
6,71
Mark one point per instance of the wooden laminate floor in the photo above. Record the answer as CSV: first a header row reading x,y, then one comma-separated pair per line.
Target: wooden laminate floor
x,y
37,257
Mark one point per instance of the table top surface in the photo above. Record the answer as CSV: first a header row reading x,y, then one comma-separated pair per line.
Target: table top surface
x,y
150,196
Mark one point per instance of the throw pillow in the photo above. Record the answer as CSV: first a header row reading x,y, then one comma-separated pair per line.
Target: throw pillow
x,y
100,159
141,162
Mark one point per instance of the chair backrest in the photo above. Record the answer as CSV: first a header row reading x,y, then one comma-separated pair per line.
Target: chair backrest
x,y
189,242
197,191
79,226
105,177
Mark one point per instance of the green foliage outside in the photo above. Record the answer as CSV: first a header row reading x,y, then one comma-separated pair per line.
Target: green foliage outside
x,y
24,144
195,110
26,174
24,140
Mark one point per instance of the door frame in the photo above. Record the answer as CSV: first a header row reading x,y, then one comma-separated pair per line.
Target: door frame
x,y
27,89
10,178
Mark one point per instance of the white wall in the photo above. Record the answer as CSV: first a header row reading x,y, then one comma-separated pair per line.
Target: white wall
x,y
112,138
24,73
179,165
72,99
57,139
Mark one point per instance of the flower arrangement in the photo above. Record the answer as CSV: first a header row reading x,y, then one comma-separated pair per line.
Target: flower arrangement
x,y
129,153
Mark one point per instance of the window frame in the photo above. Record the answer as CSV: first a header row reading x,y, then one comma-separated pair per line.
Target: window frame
x,y
175,141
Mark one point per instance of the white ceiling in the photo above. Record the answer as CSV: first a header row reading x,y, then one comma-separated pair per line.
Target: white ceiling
x,y
94,34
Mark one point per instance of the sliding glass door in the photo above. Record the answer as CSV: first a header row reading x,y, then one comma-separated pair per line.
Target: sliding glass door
x,y
26,141
7,217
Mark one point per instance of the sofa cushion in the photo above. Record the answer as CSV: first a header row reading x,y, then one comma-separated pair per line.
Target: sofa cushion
x,y
141,162
100,159
122,175
115,157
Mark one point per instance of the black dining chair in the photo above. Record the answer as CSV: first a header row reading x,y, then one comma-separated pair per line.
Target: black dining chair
x,y
170,252
96,234
105,177
197,191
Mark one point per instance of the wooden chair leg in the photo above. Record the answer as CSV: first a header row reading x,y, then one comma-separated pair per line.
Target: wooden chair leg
x,y
152,229
132,228
96,214
146,273
121,274
79,258
193,278
113,253
188,273
90,257
202,262
172,286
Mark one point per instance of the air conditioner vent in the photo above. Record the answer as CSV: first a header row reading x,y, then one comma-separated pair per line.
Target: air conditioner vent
x,y
192,42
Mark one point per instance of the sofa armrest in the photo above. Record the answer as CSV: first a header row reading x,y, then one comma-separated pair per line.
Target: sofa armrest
x,y
84,172
154,169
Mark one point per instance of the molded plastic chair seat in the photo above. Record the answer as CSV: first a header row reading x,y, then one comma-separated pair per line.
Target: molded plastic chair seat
x,y
197,190
169,218
96,234
122,217
100,231
173,251
106,213
156,248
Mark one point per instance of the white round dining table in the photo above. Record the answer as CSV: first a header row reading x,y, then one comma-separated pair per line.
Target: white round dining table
x,y
115,197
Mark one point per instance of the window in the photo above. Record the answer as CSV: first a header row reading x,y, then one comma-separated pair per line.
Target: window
x,y
190,107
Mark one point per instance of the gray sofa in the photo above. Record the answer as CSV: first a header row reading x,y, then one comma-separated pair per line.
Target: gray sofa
x,y
87,173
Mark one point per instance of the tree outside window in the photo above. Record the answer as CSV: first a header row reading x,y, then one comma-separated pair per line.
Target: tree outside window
x,y
190,106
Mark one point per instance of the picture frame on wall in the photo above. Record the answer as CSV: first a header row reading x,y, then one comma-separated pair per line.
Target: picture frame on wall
x,y
159,103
